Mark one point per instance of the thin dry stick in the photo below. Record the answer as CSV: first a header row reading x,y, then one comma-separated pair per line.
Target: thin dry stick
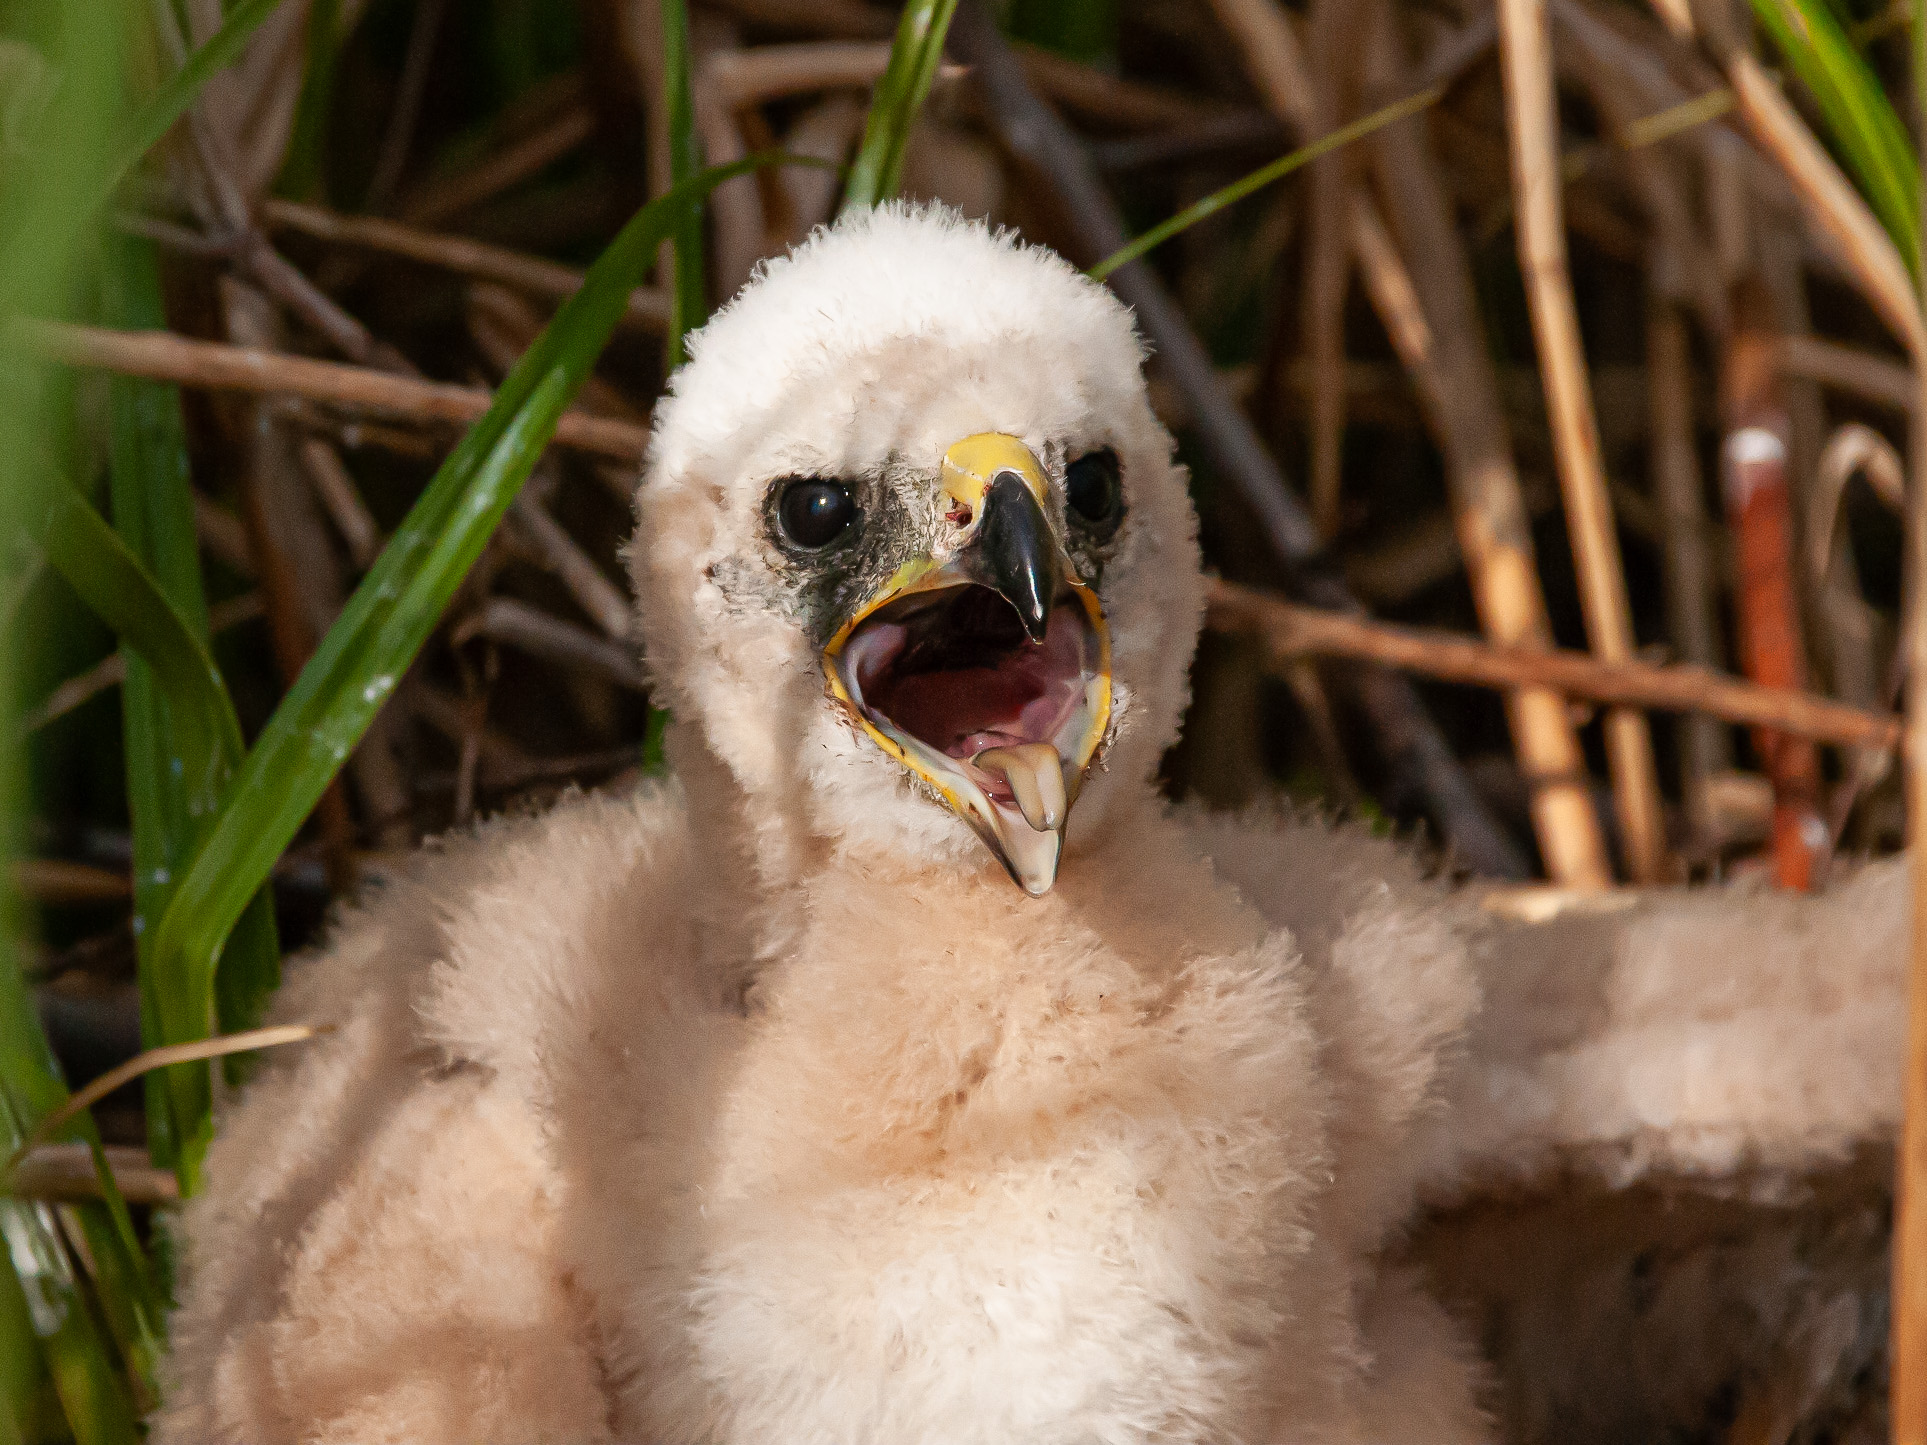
x,y
339,495
399,137
164,1057
163,356
1532,124
594,593
522,161
111,670
516,624
648,307
1852,451
1107,99
1327,262
1452,369
300,585
1846,368
1691,601
67,1172
1290,631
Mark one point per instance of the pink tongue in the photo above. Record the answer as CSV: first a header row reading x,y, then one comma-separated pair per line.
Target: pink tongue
x,y
963,712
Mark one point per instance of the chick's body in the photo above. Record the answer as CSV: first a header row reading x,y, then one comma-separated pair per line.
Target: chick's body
x,y
562,1177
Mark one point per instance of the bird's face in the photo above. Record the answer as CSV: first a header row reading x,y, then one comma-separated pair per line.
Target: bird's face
x,y
913,552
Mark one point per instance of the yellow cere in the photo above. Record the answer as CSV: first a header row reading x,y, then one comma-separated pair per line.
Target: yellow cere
x,y
970,466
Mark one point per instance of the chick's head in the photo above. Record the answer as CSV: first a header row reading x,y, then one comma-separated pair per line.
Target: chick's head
x,y
913,553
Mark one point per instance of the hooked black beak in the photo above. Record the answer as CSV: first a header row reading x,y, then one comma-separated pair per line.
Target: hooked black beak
x,y
1014,553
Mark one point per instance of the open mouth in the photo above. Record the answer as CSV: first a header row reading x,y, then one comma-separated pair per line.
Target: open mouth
x,y
1004,727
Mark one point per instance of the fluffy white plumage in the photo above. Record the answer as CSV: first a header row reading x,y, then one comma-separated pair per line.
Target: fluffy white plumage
x,y
760,1106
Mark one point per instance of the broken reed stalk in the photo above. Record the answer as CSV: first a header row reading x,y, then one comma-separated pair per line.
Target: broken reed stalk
x,y
1444,351
163,356
1290,631
648,305
1754,463
1532,126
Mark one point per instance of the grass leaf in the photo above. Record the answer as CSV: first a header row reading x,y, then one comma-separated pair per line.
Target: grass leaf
x,y
1263,177
899,96
154,514
1870,137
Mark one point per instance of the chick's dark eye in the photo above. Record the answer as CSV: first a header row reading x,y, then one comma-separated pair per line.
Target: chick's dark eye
x,y
814,513
1094,488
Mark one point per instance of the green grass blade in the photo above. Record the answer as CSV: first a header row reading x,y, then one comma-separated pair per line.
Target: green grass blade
x,y
899,97
78,1355
390,616
83,1367
112,581
154,514
1264,176
23,1372
688,299
1870,137
301,176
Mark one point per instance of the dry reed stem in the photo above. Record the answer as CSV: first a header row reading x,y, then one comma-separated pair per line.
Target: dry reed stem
x,y
338,494
516,624
1532,125
594,593
1110,100
65,1172
1755,462
1852,451
1831,200
1680,263
146,1062
1328,258
1453,373
300,584
648,306
1846,368
1691,595
163,356
521,161
1290,631
111,670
